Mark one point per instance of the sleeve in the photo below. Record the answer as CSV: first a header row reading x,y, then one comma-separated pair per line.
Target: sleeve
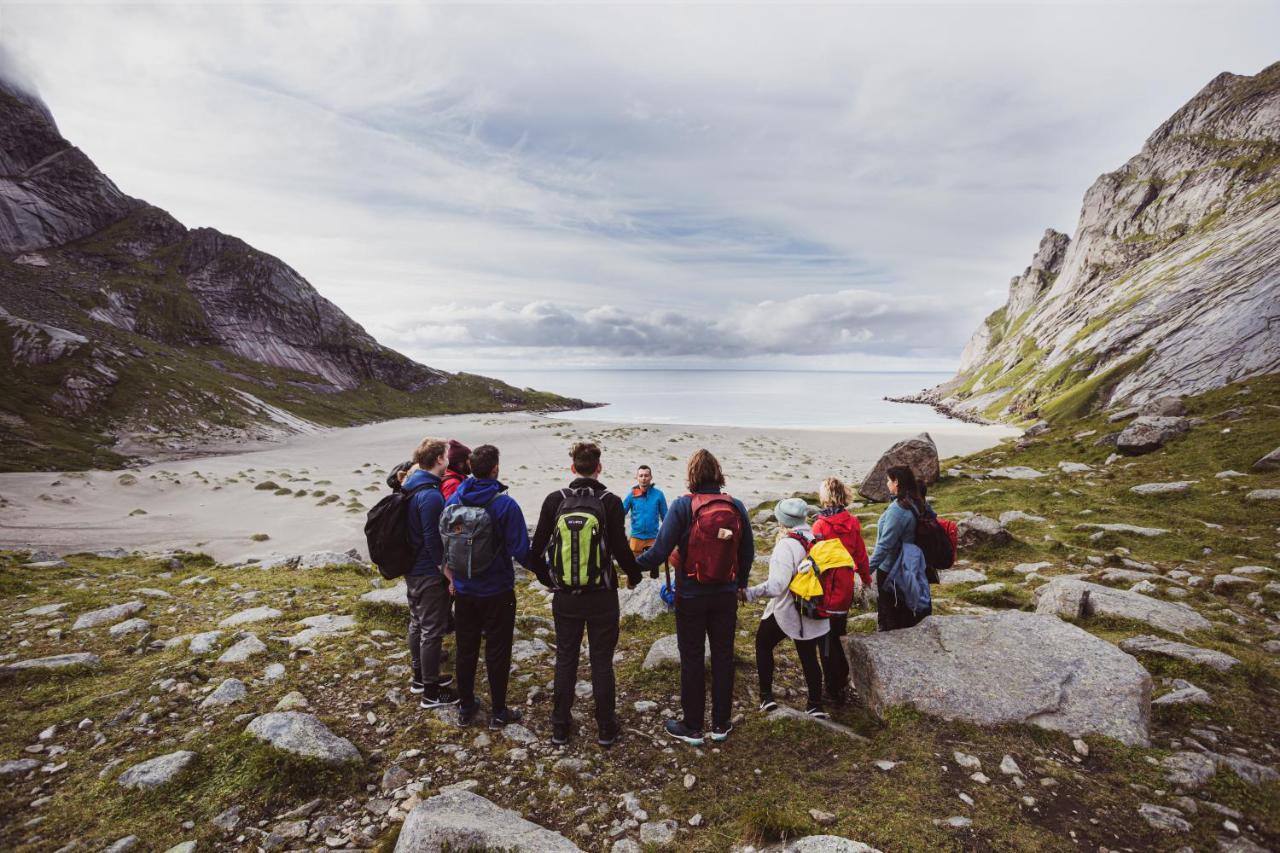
x,y
746,548
626,504
541,536
662,506
674,527
859,547
516,532
782,567
429,510
889,540
617,538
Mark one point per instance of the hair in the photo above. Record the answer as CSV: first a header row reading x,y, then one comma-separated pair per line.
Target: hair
x,y
833,492
908,488
483,460
644,468
703,470
586,458
429,452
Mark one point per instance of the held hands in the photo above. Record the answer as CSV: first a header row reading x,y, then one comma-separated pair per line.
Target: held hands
x,y
742,597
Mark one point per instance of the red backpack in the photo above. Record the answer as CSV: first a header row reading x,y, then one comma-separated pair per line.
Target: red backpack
x,y
829,564
844,526
712,553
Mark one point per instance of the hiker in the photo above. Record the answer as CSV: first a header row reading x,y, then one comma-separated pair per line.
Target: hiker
x,y
647,506
425,586
459,467
580,534
897,562
836,522
710,536
782,617
397,475
483,531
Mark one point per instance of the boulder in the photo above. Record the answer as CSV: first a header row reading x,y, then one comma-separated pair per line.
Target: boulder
x,y
1007,667
253,614
1030,568
396,596
1015,472
1226,584
312,560
318,627
303,734
18,766
950,577
1184,693
157,771
202,644
1189,769
129,626
243,650
1163,818
229,691
919,453
1249,771
1071,598
1263,495
57,661
1270,462
1165,407
1176,487
665,651
658,833
979,530
643,601
462,820
1148,433
107,615
1073,467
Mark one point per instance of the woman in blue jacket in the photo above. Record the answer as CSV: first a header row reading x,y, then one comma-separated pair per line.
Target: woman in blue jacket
x,y
896,529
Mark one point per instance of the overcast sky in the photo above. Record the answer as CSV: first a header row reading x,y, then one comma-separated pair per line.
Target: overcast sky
x,y
490,187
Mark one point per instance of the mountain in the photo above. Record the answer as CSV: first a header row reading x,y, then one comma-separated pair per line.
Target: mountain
x,y
1171,284
125,333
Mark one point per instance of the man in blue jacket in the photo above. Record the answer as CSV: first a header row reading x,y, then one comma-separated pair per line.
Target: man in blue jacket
x,y
485,604
428,590
648,506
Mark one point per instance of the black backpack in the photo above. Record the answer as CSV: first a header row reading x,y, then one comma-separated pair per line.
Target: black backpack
x,y
386,531
934,542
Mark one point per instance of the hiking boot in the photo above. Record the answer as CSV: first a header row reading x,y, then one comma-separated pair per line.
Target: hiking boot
x,y
416,687
839,697
678,730
720,734
467,713
438,698
559,734
817,713
505,716
767,704
608,733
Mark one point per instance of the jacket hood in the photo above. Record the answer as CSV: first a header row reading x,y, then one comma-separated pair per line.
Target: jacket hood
x,y
418,478
478,492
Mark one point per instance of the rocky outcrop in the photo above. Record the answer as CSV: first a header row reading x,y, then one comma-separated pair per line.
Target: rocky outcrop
x,y
919,453
461,820
1168,285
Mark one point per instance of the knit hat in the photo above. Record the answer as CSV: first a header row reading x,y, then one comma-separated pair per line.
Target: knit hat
x,y
458,454
791,512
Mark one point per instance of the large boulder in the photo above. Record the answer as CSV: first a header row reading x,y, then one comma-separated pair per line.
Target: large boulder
x,y
979,530
1009,667
1148,433
919,453
157,771
1166,407
643,601
1072,598
1270,462
303,734
461,820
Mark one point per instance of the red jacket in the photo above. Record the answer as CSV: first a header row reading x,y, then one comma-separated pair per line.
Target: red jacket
x,y
449,484
845,527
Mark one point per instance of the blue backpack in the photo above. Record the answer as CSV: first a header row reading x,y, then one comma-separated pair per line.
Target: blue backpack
x,y
907,580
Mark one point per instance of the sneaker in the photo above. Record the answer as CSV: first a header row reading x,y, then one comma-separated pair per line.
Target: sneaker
x,y
559,734
817,713
439,698
445,680
467,713
839,697
505,716
720,734
678,730
416,687
608,734
768,704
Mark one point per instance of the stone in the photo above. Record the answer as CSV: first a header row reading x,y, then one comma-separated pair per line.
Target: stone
x,y
1189,769
988,588
1270,462
1163,818
320,627
951,577
1009,767
243,650
184,847
273,672
462,820
203,644
1165,407
1263,495
527,650
303,734
253,614
782,712
107,615
1071,598
1073,467
56,662
979,530
1149,532
1175,487
395,596
919,453
1015,472
46,609
658,833
229,819
1029,568
1249,571
1250,771
1050,674
157,771
1115,575
1226,584
1010,516
823,844
18,766
229,691
1184,693
129,626
968,762
664,652
122,845
1148,433
643,602
1229,475
311,560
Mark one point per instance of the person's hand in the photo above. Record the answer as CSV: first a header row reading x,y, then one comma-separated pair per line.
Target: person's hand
x,y
742,596
632,583
452,591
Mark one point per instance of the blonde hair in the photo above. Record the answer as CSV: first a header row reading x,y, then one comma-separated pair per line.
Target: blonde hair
x,y
833,492
429,452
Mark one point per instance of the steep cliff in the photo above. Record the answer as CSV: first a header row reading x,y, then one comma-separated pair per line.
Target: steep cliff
x,y
1171,284
123,332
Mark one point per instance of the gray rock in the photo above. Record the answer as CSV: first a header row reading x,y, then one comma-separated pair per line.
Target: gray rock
x,y
1050,674
229,691
273,672
129,626
320,627
643,601
1029,568
979,530
1226,584
1250,771
950,577
1164,407
203,644
18,766
396,596
293,701
658,833
253,614
1122,415
1249,571
988,588
228,819
152,592
1073,467
664,651
919,453
1184,693
1010,516
157,771
184,847
1229,475
311,560
1176,487
107,615
1150,645
1163,818
824,844
303,734
1075,599
1270,462
394,777
243,650
57,661
527,650
461,820
46,609
1263,495
1015,472
782,712
122,845
1189,769
1149,433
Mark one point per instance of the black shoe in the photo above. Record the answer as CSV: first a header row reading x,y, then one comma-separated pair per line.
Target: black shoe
x,y
439,698
678,730
608,734
467,713
559,734
838,697
445,680
817,713
506,715
767,704
416,687
720,734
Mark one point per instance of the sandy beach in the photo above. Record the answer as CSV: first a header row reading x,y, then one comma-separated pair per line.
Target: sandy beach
x,y
311,492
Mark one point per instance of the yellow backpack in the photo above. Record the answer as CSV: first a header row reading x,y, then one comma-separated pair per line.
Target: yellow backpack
x,y
824,584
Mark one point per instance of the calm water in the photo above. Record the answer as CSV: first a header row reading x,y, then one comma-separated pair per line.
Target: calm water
x,y
738,397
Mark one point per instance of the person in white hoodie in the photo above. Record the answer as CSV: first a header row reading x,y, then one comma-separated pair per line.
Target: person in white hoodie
x,y
782,617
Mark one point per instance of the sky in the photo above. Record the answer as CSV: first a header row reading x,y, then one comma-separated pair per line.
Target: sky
x,y
840,186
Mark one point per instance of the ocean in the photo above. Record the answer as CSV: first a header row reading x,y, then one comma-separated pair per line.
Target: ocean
x,y
751,398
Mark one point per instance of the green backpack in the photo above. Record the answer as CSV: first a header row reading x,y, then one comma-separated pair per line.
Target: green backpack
x,y
577,552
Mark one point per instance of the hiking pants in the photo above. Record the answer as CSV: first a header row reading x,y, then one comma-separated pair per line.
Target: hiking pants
x,y
835,666
428,623
768,635
493,618
892,615
702,619
597,612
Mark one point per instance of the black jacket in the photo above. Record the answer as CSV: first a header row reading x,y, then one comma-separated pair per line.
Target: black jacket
x,y
616,543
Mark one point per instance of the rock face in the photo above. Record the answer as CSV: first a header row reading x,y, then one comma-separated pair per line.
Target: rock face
x,y
919,453
157,771
1009,667
303,734
1074,599
1167,287
461,820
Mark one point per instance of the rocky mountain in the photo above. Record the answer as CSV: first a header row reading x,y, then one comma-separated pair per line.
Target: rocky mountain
x,y
1170,285
123,332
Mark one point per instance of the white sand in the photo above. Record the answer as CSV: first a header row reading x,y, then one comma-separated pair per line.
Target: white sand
x,y
211,504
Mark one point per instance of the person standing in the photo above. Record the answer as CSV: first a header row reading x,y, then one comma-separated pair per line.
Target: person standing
x,y
484,531
710,535
647,506
896,561
459,467
579,536
836,522
425,586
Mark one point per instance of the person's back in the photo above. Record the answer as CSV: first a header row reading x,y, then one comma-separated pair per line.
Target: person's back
x,y
895,530
425,586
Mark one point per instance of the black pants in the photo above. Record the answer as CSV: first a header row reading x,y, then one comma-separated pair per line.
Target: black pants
x,y
768,635
492,617
835,666
703,619
892,614
597,613
428,623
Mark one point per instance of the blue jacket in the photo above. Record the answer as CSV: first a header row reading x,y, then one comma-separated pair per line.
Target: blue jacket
x,y
425,507
675,534
896,527
647,511
508,520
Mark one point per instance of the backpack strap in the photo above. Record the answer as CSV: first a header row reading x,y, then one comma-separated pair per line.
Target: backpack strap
x,y
419,488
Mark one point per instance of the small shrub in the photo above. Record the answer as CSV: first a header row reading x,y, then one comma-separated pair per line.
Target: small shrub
x,y
260,537
267,486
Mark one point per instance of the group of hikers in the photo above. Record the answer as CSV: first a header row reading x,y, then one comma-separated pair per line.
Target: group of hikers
x,y
463,534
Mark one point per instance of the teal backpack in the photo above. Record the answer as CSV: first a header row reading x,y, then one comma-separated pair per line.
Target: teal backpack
x,y
576,553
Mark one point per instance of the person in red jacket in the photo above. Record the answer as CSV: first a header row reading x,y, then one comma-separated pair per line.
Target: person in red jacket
x,y
459,457
836,522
